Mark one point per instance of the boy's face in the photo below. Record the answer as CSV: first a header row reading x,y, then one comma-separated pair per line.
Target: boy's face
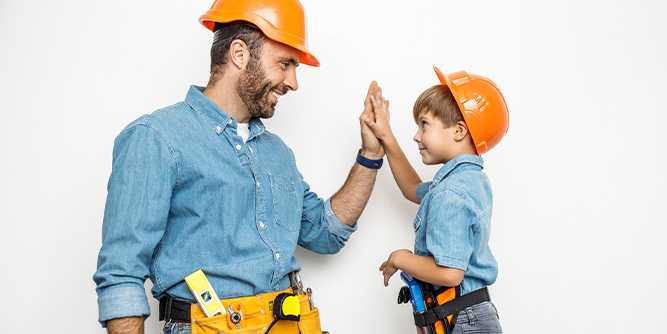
x,y
436,142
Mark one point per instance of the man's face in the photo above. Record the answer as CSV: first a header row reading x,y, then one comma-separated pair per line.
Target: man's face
x,y
263,82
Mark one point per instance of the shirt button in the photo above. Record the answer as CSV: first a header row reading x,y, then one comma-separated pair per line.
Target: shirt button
x,y
238,147
277,256
218,130
262,225
257,184
229,121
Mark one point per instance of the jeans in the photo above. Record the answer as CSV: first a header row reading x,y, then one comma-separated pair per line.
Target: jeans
x,y
177,328
480,318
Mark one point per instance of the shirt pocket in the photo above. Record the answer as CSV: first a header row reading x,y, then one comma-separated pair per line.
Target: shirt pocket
x,y
286,206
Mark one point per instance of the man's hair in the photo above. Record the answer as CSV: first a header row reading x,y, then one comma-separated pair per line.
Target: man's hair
x,y
439,101
224,34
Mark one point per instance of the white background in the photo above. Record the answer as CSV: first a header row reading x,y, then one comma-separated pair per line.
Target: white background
x,y
579,223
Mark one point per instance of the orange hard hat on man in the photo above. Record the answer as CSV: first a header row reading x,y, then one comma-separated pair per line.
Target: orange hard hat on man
x,y
482,105
283,21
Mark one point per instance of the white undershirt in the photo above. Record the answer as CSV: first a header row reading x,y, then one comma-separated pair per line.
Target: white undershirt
x,y
243,130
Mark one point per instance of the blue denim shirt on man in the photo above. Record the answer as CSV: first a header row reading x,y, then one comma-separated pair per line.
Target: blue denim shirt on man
x,y
186,192
454,221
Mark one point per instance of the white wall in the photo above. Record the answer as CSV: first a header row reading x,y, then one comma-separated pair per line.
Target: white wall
x,y
579,180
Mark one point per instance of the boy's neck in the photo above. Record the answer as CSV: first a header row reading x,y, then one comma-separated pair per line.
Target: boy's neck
x,y
465,150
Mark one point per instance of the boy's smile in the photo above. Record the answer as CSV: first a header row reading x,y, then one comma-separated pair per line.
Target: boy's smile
x,y
433,139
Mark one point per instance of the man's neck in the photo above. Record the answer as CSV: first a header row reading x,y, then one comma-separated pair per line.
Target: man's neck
x,y
225,97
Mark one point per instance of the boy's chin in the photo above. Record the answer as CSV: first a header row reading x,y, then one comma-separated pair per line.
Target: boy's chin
x,y
429,161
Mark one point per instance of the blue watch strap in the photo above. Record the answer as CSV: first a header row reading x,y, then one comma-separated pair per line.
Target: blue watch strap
x,y
369,163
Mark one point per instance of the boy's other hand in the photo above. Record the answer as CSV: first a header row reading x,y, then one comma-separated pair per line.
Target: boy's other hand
x,y
389,267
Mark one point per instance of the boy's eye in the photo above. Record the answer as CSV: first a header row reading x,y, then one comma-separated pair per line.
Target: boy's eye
x,y
284,65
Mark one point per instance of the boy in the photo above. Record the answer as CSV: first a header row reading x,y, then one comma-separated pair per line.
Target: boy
x,y
458,121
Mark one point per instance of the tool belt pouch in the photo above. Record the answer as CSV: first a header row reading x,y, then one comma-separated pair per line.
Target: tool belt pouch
x,y
255,318
441,315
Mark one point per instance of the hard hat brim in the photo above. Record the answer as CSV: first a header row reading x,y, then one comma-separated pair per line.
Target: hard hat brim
x,y
209,19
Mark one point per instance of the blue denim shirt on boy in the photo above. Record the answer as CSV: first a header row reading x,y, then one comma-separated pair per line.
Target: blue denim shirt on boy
x,y
186,192
454,221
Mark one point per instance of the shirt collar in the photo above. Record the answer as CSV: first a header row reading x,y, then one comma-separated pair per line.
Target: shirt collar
x,y
199,102
451,165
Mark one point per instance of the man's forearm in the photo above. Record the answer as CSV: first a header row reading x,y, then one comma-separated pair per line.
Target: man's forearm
x,y
129,325
351,199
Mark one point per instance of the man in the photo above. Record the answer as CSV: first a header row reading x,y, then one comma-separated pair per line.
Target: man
x,y
203,184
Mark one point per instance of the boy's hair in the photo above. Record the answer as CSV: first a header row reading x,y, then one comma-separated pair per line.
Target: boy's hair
x,y
439,101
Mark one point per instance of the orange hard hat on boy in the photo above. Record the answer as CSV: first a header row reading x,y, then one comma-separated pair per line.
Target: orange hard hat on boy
x,y
482,105
283,21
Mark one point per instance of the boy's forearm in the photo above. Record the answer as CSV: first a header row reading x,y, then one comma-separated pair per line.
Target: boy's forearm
x,y
425,269
404,174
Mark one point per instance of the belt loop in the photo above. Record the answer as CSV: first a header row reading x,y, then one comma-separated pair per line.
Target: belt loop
x,y
471,316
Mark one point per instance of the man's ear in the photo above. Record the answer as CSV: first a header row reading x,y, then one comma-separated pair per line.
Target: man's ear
x,y
461,131
239,54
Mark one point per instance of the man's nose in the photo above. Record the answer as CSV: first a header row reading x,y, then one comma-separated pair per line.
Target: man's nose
x,y
290,79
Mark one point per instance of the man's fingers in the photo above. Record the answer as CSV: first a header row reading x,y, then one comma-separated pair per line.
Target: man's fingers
x,y
369,93
371,88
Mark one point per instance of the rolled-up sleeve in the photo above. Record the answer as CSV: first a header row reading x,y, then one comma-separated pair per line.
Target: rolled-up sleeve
x,y
449,230
143,175
321,231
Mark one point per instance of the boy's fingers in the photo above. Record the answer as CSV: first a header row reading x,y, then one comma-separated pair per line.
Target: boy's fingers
x,y
375,102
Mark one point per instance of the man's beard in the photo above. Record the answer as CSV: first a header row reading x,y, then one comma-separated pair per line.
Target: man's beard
x,y
255,90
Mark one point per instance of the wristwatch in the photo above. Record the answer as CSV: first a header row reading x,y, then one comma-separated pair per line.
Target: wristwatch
x,y
369,163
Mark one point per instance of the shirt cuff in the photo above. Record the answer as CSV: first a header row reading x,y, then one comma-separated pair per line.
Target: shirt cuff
x,y
422,189
335,226
450,262
128,300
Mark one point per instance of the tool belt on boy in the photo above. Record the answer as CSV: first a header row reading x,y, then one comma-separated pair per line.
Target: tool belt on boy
x,y
443,305
288,311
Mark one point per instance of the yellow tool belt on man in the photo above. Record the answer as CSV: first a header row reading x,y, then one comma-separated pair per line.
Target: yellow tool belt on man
x,y
254,315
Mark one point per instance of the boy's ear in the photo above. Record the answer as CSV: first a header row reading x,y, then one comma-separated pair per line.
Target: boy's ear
x,y
460,131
